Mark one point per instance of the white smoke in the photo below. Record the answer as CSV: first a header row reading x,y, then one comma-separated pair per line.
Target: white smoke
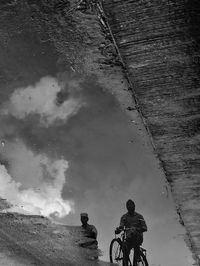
x,y
46,199
41,99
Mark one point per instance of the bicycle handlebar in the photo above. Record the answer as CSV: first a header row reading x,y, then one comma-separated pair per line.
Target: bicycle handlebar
x,y
126,228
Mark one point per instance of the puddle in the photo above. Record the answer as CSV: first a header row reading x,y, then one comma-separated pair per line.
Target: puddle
x,y
89,141
108,164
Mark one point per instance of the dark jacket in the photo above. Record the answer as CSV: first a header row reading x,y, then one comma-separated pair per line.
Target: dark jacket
x,y
90,231
136,220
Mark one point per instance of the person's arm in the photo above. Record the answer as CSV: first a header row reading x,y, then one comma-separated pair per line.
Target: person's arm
x,y
122,222
121,225
143,226
94,232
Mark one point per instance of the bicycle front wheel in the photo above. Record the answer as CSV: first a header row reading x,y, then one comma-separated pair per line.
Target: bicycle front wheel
x,y
116,252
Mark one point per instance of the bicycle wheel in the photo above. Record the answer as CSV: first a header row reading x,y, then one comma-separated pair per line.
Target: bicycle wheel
x,y
116,253
143,260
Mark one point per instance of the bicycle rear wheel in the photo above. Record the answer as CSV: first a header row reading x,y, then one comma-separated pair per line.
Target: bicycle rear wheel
x,y
143,260
116,252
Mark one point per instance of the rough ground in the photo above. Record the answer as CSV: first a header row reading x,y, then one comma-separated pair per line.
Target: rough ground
x,y
159,46
35,240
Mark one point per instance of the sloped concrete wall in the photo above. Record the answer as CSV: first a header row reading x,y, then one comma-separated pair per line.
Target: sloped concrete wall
x,y
159,43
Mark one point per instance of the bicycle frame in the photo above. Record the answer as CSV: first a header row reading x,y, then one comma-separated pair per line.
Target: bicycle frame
x,y
123,239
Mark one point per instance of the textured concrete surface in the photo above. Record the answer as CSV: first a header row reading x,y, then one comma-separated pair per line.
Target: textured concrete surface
x,y
159,46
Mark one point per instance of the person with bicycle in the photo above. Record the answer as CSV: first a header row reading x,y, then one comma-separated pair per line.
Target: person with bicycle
x,y
135,226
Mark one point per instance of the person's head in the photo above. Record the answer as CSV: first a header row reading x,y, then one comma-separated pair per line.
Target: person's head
x,y
84,218
130,205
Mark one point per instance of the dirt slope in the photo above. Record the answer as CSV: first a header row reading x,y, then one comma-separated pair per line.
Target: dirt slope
x,y
35,240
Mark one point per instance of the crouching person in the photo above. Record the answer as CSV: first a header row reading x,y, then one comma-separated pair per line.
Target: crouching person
x,y
89,232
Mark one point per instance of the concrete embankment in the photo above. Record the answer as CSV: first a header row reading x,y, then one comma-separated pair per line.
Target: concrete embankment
x,y
159,46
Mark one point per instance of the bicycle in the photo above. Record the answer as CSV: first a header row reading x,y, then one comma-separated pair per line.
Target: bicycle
x,y
117,254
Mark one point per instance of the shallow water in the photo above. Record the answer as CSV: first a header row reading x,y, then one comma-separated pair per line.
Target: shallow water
x,y
109,161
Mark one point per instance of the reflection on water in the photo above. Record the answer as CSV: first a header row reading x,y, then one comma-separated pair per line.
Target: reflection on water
x,y
53,119
105,169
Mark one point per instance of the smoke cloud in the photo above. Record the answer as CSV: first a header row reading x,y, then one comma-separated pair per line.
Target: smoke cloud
x,y
44,199
43,99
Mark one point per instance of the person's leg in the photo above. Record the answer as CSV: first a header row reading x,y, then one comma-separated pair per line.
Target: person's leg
x,y
138,240
126,250
137,253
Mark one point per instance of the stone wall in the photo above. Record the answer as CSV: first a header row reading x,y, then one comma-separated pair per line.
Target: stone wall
x,y
159,43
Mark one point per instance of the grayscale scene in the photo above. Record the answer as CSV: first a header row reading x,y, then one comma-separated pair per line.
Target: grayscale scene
x,y
100,132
